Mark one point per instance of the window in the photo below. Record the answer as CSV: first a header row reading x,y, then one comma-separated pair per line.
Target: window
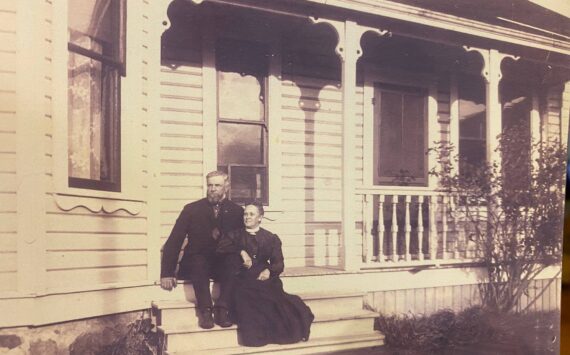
x,y
472,108
400,132
242,69
96,61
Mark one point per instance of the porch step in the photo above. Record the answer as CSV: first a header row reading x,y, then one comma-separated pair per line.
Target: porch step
x,y
181,313
313,346
192,338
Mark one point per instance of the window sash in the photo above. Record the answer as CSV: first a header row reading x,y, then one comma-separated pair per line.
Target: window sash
x,y
108,98
119,60
109,132
384,151
262,187
260,72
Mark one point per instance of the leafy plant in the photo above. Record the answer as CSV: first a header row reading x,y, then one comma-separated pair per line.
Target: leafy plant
x,y
139,339
512,210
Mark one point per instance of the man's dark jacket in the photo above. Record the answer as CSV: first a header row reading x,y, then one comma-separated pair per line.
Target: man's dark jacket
x,y
197,222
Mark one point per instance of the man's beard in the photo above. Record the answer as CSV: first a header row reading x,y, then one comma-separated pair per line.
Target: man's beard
x,y
214,198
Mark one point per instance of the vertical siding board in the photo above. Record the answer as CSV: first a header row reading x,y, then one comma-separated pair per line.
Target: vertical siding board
x,y
390,302
553,295
420,301
401,301
409,306
430,300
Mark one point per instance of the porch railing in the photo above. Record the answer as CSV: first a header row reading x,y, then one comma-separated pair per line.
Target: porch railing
x,y
401,226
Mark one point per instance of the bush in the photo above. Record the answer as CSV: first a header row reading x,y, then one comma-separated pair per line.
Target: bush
x,y
513,211
442,330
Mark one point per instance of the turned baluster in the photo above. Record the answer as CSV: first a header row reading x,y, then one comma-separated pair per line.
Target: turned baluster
x,y
420,228
394,228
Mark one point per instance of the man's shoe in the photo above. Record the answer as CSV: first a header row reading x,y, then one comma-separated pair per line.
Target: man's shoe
x,y
205,320
222,317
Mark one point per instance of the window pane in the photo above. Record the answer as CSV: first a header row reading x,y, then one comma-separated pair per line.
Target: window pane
x,y
248,183
240,96
96,25
92,119
472,111
401,149
240,143
390,133
413,146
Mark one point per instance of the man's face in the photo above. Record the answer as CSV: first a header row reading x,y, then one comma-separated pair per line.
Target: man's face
x,y
217,188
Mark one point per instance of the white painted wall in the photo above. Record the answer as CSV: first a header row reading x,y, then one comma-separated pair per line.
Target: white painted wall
x,y
8,185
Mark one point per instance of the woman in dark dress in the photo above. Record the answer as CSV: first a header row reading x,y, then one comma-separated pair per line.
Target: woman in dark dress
x,y
262,310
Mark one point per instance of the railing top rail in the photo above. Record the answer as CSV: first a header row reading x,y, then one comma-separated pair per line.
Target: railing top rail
x,y
398,190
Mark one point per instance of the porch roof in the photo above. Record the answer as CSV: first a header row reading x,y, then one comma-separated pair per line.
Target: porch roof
x,y
501,13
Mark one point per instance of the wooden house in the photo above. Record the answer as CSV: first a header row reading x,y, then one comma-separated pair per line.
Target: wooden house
x,y
113,111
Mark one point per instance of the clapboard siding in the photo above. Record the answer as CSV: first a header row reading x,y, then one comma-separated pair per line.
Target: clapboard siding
x,y
88,277
311,144
88,241
552,114
145,116
60,260
181,139
542,295
8,185
84,248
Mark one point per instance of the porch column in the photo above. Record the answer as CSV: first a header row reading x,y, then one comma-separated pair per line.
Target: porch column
x,y
349,51
491,72
349,59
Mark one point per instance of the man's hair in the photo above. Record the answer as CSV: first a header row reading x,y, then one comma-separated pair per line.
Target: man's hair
x,y
218,173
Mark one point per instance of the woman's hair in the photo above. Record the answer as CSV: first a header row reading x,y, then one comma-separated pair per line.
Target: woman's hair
x,y
257,204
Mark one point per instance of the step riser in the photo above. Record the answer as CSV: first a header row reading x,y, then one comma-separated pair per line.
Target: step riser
x,y
342,327
308,349
181,317
228,337
341,283
344,305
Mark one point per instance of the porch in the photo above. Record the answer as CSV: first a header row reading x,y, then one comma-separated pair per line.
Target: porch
x,y
316,132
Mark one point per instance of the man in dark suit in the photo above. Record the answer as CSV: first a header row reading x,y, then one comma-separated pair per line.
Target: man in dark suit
x,y
204,222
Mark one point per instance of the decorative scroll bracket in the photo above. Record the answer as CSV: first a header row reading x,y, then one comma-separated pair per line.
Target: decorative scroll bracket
x,y
360,31
492,60
164,16
343,36
338,26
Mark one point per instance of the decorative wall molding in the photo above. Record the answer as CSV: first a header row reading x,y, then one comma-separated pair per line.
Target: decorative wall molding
x,y
97,205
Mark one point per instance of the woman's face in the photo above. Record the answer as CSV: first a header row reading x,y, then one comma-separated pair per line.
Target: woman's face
x,y
251,217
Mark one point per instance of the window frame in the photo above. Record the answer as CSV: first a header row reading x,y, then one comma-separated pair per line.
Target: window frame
x,y
131,197
115,126
264,124
374,75
377,101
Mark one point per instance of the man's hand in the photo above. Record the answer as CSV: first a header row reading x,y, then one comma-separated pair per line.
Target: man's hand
x,y
246,259
264,275
168,283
